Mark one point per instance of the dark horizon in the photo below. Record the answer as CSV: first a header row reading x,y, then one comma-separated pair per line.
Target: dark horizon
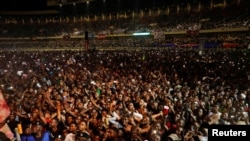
x,y
23,5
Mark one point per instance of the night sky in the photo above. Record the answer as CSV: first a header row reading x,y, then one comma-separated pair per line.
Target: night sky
x,y
16,5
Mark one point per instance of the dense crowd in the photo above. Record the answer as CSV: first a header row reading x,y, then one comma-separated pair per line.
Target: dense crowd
x,y
164,95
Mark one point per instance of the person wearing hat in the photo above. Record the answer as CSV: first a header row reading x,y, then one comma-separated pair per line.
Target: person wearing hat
x,y
82,136
37,130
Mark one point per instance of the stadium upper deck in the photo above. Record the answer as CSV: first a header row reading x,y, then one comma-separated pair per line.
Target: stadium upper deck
x,y
196,20
148,20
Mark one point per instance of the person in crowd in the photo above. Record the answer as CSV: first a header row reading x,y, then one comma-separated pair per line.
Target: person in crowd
x,y
82,133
